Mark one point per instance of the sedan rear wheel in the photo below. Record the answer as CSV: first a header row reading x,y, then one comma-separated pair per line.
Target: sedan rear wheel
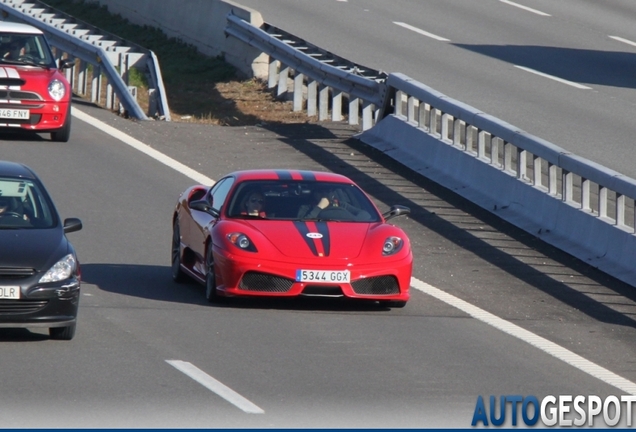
x,y
62,333
210,277
177,273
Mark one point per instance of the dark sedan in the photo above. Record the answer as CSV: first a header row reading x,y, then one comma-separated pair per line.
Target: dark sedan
x,y
39,270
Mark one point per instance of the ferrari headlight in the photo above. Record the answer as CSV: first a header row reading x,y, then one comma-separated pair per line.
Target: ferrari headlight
x,y
61,270
392,245
57,90
240,240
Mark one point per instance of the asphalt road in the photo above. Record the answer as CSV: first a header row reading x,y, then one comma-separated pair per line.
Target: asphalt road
x,y
310,363
474,51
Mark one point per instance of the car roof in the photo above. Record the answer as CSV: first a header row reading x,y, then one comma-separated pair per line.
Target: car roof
x,y
288,174
14,169
14,27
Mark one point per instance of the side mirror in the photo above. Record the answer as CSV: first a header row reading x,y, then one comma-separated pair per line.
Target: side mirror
x,y
72,225
396,210
204,206
66,63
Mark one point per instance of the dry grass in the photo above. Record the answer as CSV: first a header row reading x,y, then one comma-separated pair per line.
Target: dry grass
x,y
233,103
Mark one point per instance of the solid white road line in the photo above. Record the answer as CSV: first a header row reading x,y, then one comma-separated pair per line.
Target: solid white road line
x,y
543,344
525,8
138,145
620,39
552,77
217,387
420,31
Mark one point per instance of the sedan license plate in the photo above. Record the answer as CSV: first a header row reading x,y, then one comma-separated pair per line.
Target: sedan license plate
x,y
323,276
14,114
9,292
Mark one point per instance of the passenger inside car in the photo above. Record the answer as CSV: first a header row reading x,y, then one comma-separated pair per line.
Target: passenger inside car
x,y
254,204
12,207
13,48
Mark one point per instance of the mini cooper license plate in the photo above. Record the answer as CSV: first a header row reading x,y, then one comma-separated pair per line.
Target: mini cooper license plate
x,y
323,276
14,114
10,292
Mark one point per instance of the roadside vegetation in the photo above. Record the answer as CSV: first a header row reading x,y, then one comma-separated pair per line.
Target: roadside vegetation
x,y
200,88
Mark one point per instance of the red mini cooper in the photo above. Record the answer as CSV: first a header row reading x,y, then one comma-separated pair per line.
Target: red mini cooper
x,y
34,94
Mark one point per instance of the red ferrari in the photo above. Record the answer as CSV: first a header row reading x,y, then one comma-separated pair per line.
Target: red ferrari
x,y
280,233
34,94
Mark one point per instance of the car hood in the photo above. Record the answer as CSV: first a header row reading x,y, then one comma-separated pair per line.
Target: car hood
x,y
36,78
32,248
310,239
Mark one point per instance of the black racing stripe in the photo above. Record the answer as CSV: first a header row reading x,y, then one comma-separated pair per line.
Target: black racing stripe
x,y
323,229
307,175
283,175
304,229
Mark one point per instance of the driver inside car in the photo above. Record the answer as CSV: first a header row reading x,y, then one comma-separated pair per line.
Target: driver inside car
x,y
13,49
325,199
9,207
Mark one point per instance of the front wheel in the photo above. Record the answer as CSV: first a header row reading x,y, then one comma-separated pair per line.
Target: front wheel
x,y
62,333
177,274
210,278
64,133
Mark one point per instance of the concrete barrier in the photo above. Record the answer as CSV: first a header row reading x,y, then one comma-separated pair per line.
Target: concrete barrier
x,y
200,23
564,225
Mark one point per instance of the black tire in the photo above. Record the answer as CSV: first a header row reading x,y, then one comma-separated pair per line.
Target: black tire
x,y
62,333
177,274
64,133
393,304
210,278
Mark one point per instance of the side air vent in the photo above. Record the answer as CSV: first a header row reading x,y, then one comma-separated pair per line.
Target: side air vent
x,y
12,82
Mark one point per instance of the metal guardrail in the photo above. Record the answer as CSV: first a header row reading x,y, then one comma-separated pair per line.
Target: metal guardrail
x,y
323,77
104,57
586,185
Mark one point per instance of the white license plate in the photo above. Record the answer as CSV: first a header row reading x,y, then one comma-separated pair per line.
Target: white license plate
x,y
9,292
14,114
323,276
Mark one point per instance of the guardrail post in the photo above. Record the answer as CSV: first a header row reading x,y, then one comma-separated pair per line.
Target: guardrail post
x,y
110,103
602,201
367,115
272,77
96,85
399,96
495,143
568,187
585,194
620,210
522,164
354,111
509,149
312,98
482,137
410,109
82,82
299,80
282,81
323,103
336,105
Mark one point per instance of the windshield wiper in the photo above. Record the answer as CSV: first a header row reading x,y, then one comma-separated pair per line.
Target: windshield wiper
x,y
246,216
24,62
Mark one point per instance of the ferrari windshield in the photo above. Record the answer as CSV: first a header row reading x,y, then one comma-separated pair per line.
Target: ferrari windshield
x,y
301,200
23,205
27,49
